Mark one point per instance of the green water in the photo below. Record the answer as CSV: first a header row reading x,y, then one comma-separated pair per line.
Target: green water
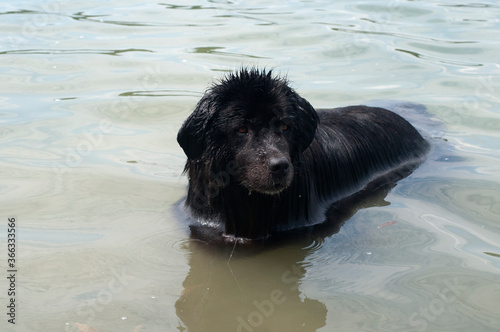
x,y
92,96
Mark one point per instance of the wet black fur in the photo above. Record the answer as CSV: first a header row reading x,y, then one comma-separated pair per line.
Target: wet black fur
x,y
323,156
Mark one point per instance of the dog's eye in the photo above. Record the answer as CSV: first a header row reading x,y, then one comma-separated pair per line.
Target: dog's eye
x,y
282,126
242,130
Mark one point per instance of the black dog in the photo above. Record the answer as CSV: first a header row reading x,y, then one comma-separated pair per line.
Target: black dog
x,y
261,160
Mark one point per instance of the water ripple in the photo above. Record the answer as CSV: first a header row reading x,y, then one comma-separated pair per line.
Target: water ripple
x,y
77,51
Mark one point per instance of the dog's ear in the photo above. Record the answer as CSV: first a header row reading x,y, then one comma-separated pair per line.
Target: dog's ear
x,y
308,120
191,136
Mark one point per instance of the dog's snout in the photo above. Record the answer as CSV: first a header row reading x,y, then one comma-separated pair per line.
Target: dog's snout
x,y
279,165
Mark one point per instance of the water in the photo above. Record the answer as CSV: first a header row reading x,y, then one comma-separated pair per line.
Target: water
x,y
93,94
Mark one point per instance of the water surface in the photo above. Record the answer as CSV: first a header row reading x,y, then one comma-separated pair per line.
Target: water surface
x,y
93,94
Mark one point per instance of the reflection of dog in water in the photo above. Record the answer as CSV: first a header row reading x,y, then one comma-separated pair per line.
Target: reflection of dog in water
x,y
262,160
248,293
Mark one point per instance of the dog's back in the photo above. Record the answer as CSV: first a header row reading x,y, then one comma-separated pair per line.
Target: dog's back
x,y
358,143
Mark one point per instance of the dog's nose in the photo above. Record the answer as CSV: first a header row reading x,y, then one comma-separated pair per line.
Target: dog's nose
x,y
279,165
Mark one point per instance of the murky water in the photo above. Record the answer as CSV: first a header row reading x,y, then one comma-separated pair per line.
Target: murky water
x,y
92,96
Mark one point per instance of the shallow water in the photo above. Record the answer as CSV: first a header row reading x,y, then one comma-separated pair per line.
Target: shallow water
x,y
93,94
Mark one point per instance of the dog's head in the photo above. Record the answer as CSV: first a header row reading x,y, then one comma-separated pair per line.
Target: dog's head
x,y
252,126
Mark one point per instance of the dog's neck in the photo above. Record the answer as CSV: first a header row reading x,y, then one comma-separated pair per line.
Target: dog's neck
x,y
249,214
